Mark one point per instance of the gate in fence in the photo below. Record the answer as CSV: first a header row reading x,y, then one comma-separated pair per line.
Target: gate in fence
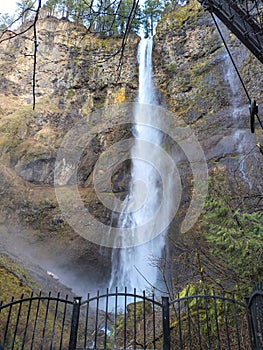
x,y
122,320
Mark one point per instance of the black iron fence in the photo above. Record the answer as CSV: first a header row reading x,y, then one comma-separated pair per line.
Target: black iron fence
x,y
36,322
209,322
122,320
255,317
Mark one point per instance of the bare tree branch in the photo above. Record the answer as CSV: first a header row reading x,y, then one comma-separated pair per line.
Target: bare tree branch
x,y
127,31
35,54
118,20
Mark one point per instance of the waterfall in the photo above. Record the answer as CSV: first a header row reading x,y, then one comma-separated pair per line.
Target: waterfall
x,y
133,266
240,135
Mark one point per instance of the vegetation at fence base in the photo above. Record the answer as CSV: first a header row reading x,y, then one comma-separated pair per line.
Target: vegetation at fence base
x,y
37,323
14,280
236,236
204,317
200,318
140,325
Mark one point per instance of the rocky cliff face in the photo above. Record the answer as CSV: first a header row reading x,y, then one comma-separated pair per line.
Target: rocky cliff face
x,y
195,80
76,74
195,75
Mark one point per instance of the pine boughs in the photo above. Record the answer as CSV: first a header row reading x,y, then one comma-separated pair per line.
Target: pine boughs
x,y
235,236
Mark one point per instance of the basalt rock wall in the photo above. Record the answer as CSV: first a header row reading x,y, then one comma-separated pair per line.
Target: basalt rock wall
x,y
198,82
76,76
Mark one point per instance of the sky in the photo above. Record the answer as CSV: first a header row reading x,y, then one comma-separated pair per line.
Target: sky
x,y
7,6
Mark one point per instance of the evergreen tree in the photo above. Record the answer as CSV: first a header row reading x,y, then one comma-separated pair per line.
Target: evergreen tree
x,y
104,17
123,17
5,21
152,14
66,8
81,12
25,8
107,17
236,236
50,7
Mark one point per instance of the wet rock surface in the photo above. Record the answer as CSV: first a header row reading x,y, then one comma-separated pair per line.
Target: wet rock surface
x,y
198,81
194,80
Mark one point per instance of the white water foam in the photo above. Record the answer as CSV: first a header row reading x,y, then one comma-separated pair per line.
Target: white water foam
x,y
133,267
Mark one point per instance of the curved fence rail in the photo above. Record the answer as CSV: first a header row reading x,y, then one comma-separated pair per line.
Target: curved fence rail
x,y
209,322
36,322
122,320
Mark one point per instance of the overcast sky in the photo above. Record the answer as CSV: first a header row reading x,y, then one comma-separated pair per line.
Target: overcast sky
x,y
7,6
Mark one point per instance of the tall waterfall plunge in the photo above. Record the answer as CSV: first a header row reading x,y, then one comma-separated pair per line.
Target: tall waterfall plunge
x,y
132,267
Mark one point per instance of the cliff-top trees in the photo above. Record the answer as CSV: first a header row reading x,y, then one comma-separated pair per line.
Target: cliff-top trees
x,y
24,8
107,17
152,12
104,17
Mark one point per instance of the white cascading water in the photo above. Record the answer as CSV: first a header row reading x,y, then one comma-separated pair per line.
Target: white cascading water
x,y
133,267
240,135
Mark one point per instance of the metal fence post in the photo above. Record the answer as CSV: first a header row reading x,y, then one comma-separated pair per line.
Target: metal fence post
x,y
250,324
166,323
255,316
74,323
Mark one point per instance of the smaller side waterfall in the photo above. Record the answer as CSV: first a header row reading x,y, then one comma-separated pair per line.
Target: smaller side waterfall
x,y
240,134
132,267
